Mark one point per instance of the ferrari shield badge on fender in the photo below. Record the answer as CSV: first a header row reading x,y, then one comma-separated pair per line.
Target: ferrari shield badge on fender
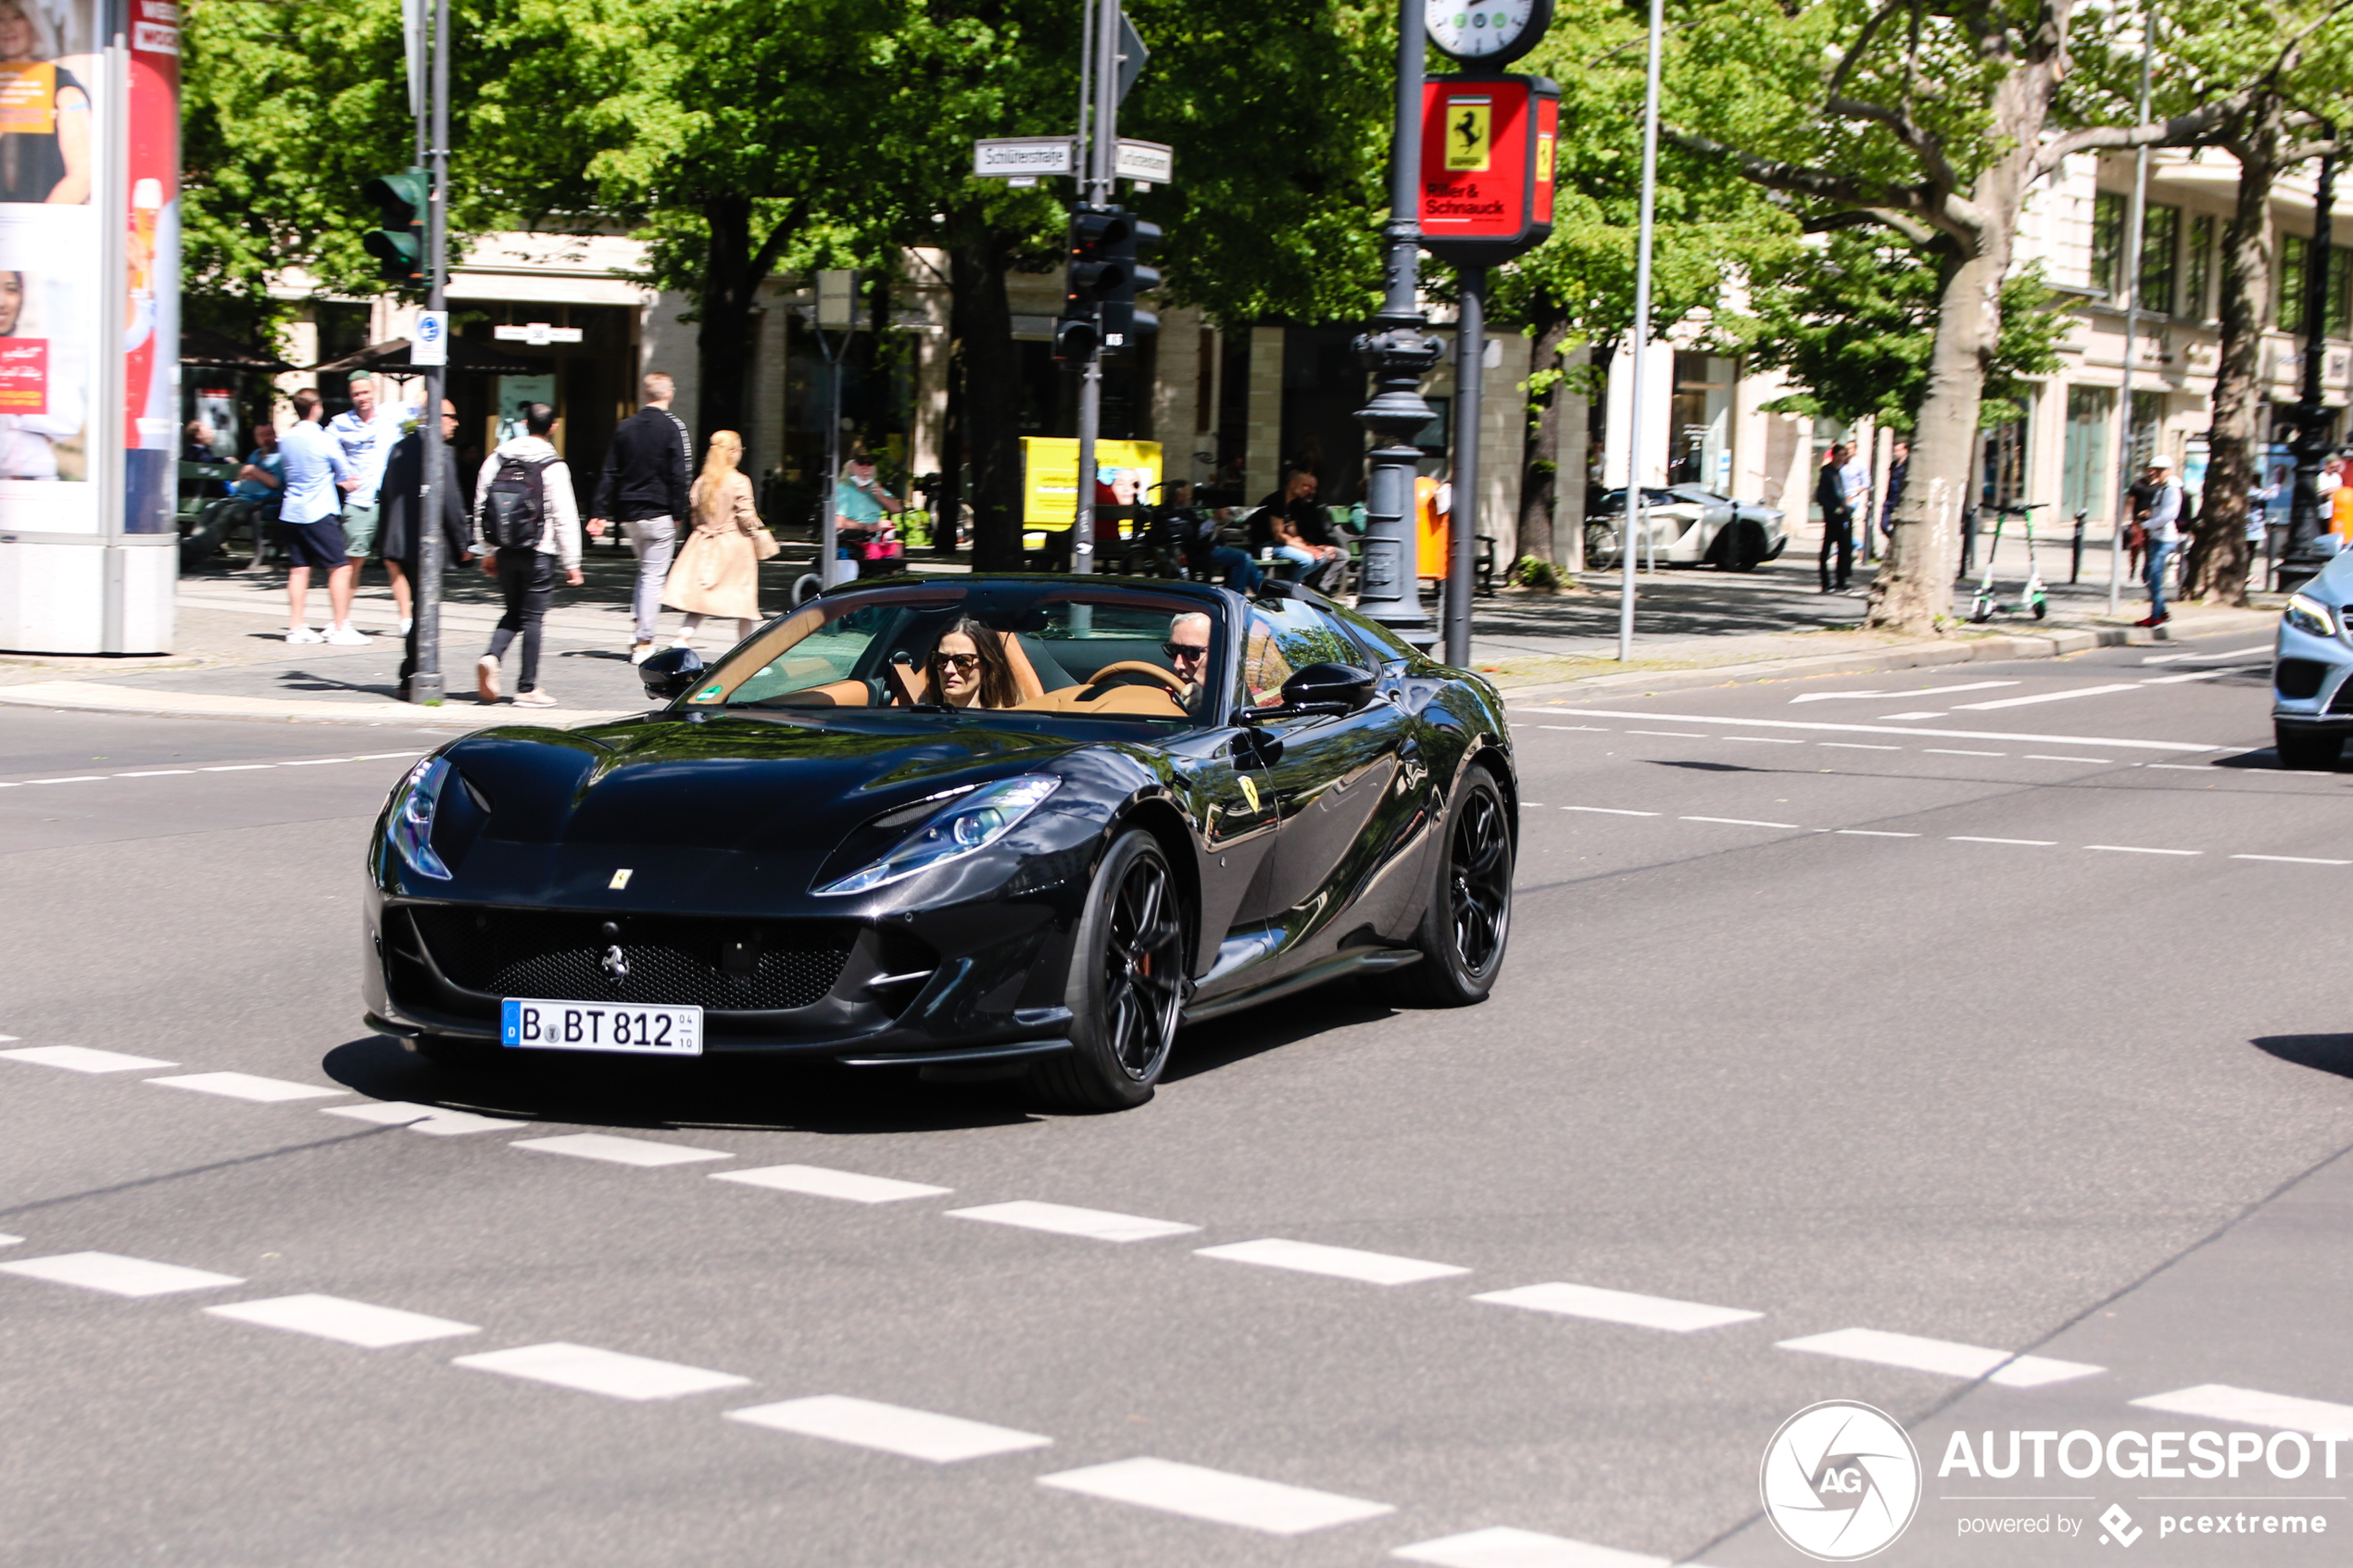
x,y
1249,789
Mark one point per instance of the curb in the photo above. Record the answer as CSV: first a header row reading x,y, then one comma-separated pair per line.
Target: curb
x,y
2055,644
89,696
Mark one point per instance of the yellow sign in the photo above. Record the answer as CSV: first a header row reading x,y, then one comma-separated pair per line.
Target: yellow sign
x,y
1468,140
1543,160
1050,477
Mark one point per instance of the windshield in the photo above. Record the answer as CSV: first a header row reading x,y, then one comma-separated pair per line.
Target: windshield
x,y
955,650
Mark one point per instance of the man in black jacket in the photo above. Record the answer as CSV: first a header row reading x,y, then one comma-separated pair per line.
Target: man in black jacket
x,y
403,502
648,470
1838,519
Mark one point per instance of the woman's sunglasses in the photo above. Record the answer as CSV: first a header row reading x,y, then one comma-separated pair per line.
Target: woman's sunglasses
x,y
964,663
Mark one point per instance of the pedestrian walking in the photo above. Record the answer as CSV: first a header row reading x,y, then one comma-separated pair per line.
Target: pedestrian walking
x,y
525,523
403,503
718,571
1899,463
367,431
312,508
2160,526
1838,519
644,487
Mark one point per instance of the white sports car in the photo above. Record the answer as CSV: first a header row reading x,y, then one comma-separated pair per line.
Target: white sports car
x,y
1686,525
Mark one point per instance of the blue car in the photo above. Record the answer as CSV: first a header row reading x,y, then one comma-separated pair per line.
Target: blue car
x,y
2312,677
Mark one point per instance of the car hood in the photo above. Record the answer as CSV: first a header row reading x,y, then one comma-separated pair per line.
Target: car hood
x,y
739,785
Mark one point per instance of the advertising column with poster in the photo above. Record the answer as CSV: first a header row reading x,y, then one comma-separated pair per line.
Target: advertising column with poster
x,y
88,324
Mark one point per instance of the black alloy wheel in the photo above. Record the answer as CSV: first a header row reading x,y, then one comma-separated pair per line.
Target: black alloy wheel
x,y
1126,983
1469,919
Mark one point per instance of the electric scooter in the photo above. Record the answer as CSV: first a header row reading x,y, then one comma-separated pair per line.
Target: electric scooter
x,y
2031,597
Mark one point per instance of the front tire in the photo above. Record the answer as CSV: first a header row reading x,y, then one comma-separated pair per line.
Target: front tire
x,y
2304,751
1126,989
1467,921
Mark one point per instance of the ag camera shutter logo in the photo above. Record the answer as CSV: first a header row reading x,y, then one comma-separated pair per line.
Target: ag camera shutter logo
x,y
1841,1481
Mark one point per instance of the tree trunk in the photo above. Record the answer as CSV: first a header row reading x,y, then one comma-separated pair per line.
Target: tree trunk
x,y
725,337
2220,557
978,258
1539,481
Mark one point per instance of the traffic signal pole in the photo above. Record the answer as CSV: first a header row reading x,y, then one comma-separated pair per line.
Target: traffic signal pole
x,y
1102,77
424,681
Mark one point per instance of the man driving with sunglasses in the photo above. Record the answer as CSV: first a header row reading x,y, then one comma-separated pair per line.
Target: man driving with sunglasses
x,y
1187,651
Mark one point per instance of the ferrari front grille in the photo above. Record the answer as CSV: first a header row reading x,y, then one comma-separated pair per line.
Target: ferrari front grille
x,y
727,965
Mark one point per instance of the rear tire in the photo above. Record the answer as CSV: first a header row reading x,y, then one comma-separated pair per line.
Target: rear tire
x,y
1467,921
1126,987
2304,751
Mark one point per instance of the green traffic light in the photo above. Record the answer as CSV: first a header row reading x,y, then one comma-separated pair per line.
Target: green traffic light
x,y
399,245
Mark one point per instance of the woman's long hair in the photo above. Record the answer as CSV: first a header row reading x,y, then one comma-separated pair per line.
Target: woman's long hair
x,y
726,450
998,688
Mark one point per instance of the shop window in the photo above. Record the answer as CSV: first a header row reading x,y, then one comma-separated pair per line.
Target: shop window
x,y
2108,242
2198,270
2160,246
2085,479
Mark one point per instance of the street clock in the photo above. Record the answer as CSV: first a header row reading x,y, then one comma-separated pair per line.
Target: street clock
x,y
1487,35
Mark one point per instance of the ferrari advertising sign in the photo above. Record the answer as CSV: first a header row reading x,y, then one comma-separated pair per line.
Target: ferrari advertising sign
x,y
1487,166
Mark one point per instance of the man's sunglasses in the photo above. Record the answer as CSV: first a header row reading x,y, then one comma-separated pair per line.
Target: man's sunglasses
x,y
964,663
1185,650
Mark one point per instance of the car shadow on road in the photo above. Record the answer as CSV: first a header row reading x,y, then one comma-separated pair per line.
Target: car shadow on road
x,y
2323,1053
582,1090
1221,1042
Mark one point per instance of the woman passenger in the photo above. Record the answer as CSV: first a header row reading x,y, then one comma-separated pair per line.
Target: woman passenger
x,y
969,667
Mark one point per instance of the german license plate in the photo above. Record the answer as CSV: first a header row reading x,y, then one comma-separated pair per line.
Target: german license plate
x,y
527,1023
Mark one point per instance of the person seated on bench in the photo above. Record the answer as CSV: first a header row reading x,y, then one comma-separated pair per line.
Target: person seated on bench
x,y
969,667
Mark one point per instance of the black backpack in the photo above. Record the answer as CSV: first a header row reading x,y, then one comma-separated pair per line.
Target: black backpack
x,y
515,509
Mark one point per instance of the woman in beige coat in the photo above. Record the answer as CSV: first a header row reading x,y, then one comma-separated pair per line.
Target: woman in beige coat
x,y
717,572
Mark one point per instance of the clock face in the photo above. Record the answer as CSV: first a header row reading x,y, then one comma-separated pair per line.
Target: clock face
x,y
1495,31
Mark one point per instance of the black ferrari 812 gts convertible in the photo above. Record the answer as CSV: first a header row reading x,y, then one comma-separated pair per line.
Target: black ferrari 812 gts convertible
x,y
984,825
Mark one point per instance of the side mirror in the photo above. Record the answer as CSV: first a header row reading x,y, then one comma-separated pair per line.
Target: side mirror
x,y
671,673
1319,688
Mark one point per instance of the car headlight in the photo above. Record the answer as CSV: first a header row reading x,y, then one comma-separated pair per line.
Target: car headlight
x,y
409,828
2308,614
969,824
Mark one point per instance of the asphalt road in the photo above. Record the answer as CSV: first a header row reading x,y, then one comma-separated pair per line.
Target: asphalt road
x,y
2004,1017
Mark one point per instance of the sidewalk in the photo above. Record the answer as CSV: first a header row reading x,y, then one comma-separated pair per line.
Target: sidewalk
x,y
1693,626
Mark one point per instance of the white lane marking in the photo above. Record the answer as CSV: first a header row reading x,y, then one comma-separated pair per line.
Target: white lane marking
x,y
1915,693
1872,833
2037,757
78,778
818,1181
2293,859
1855,746
429,1119
2050,697
2220,1401
1340,1262
246,1086
2029,843
610,1373
893,1429
1948,751
1943,1357
155,773
1619,1306
1736,822
1937,714
118,1275
11,1240
1671,735
2180,767
348,1323
238,768
1062,1219
1590,729
1941,734
1500,1546
2137,849
2192,675
1762,740
315,762
1217,1496
1609,810
620,1152
81,1059
380,755
2195,657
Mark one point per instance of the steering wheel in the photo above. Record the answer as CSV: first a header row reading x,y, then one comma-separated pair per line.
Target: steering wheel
x,y
1168,678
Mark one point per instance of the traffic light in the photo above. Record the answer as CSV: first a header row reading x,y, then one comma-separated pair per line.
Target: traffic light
x,y
1129,277
1087,282
399,245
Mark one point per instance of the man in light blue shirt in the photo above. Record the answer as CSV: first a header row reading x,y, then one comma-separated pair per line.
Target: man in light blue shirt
x,y
366,433
317,477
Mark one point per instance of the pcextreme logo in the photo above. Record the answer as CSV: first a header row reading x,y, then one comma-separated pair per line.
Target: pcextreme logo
x,y
1841,1481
